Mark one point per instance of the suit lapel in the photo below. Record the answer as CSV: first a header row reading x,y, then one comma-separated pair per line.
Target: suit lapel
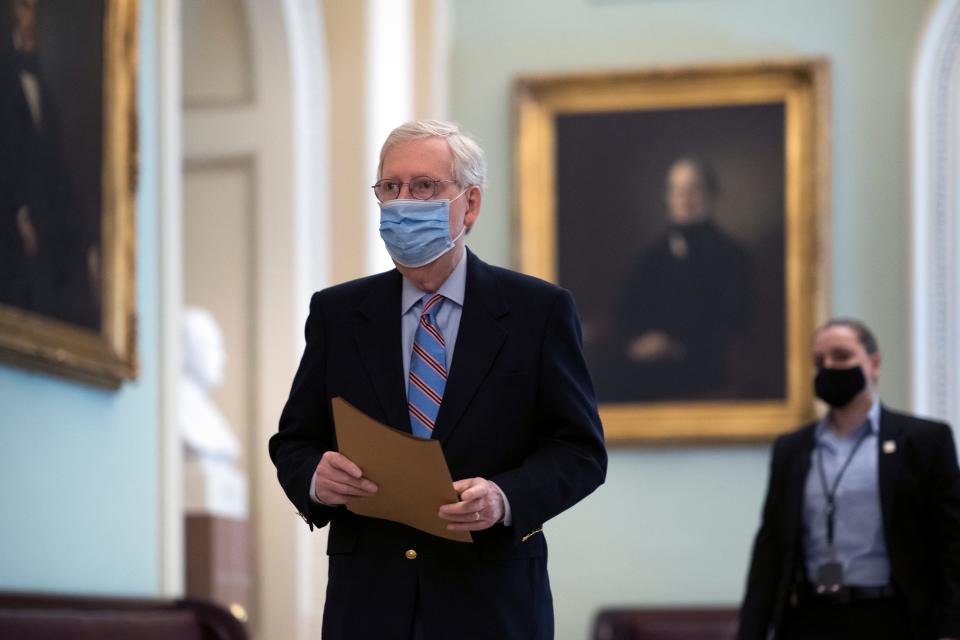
x,y
478,342
889,455
796,485
378,341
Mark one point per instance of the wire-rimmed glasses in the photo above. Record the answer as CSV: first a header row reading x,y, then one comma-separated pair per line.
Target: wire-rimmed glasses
x,y
421,188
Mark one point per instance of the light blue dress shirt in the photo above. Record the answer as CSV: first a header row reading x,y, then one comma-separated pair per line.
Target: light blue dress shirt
x,y
447,320
858,540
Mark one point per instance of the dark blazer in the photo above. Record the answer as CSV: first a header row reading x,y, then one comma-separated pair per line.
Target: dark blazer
x,y
518,409
920,500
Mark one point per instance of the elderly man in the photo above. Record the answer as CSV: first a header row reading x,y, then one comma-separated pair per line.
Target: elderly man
x,y
860,535
445,346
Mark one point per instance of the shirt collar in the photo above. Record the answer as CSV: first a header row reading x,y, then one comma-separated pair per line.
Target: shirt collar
x,y
452,288
874,416
873,419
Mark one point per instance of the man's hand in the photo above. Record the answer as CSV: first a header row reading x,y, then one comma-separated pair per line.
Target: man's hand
x,y
28,233
93,273
653,346
480,506
338,481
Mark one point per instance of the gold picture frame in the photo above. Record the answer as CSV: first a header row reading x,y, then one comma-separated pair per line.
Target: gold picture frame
x,y
573,136
92,337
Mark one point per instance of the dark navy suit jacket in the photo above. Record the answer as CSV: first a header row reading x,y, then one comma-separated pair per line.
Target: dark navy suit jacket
x,y
920,501
518,409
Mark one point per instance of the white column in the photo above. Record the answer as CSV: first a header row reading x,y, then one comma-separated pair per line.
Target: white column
x,y
431,59
389,98
171,295
311,110
935,214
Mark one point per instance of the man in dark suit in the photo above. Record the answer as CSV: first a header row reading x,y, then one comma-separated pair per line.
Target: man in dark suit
x,y
860,534
485,360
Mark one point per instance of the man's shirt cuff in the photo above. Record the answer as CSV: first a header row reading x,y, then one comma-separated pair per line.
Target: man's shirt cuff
x,y
507,514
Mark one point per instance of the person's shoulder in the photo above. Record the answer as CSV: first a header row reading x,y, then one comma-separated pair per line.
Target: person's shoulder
x,y
521,282
917,426
353,292
793,440
521,289
727,241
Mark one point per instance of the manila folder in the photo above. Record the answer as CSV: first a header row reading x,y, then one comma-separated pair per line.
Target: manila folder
x,y
411,473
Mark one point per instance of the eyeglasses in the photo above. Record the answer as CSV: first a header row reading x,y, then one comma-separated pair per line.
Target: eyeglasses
x,y
421,188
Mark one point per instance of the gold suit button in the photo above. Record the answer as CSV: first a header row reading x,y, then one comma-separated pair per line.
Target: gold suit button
x,y
411,554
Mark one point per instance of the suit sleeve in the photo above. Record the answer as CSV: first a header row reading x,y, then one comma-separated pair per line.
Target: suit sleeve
x,y
766,563
570,459
946,490
305,431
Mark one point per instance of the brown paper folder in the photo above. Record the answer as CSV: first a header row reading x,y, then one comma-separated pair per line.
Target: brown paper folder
x,y
411,473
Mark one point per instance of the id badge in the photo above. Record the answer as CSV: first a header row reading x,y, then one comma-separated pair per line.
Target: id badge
x,y
829,577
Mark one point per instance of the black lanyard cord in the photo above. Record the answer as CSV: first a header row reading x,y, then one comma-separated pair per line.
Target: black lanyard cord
x,y
831,494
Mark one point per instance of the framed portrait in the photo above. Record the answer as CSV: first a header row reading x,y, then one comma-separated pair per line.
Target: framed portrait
x,y
68,73
684,208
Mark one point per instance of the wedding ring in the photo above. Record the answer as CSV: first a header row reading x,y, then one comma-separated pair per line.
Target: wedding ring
x,y
478,516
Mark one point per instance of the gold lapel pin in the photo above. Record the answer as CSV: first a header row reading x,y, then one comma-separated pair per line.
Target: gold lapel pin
x,y
889,446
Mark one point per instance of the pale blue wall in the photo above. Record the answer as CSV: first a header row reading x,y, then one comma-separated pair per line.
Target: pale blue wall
x,y
675,526
79,466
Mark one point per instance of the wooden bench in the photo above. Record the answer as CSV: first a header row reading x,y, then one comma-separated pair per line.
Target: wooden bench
x,y
25,616
666,624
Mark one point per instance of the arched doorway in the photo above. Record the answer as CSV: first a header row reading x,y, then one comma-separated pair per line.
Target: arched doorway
x,y
936,217
248,243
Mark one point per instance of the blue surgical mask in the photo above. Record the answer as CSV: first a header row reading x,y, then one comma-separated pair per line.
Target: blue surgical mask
x,y
417,232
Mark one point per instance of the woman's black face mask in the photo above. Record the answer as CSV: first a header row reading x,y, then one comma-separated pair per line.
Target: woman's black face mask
x,y
837,387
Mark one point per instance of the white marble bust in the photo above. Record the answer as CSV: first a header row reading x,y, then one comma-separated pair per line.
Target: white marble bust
x,y
212,485
205,431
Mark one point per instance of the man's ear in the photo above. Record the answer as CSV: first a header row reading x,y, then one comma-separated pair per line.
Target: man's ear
x,y
474,198
875,362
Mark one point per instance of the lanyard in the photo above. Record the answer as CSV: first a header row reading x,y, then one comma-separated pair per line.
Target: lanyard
x,y
831,494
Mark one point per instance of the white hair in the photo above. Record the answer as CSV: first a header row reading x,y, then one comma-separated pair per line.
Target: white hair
x,y
469,165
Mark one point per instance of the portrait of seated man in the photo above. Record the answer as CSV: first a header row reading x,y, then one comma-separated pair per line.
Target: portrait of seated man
x,y
688,297
49,231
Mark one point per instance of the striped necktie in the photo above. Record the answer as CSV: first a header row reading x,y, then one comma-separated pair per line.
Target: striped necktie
x,y
428,371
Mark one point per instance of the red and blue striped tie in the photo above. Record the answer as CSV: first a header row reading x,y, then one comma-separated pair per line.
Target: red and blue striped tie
x,y
428,370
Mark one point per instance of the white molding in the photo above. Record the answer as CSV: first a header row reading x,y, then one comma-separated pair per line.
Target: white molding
x,y
431,59
311,114
389,96
284,132
441,56
310,86
935,211
171,552
244,97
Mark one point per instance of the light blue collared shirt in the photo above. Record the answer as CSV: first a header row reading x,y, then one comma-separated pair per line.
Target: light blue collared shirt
x,y
858,539
447,319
